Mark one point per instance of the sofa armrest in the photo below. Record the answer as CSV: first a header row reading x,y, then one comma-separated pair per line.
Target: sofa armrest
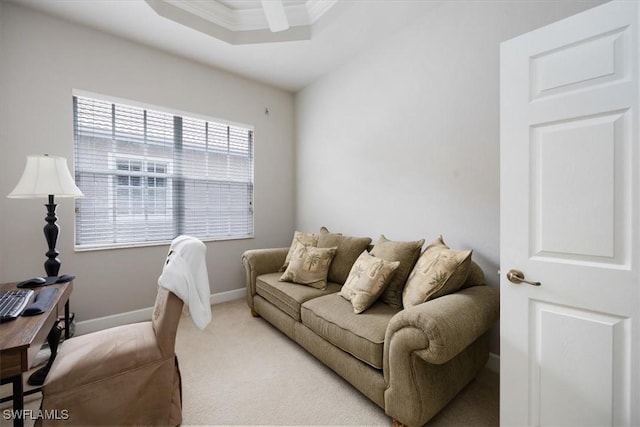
x,y
261,261
443,327
432,350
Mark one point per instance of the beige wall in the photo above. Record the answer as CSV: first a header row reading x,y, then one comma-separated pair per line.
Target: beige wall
x,y
42,60
404,139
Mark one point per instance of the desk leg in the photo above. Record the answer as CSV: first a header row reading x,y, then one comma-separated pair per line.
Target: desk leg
x,y
67,320
18,401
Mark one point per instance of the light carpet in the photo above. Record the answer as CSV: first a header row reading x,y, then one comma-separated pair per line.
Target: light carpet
x,y
241,371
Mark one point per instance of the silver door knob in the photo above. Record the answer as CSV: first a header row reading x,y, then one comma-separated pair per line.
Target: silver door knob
x,y
517,276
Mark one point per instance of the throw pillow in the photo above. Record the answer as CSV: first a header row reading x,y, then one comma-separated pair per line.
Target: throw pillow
x,y
349,248
307,239
309,265
406,253
367,279
438,272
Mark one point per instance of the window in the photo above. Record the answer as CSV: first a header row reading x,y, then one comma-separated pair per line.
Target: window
x,y
133,197
149,176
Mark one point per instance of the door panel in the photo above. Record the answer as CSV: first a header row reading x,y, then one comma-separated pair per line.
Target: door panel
x,y
574,163
587,63
570,220
568,374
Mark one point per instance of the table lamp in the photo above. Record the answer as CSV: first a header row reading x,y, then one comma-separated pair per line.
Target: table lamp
x,y
47,176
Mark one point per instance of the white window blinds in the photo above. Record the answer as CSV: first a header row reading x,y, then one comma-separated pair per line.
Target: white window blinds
x,y
149,176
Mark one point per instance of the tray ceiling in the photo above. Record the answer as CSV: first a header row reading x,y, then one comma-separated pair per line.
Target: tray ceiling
x,y
244,22
347,29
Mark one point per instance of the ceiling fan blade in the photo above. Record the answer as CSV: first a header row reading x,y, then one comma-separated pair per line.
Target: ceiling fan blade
x,y
276,16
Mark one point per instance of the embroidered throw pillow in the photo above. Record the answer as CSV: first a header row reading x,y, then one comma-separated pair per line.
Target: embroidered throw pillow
x,y
307,239
309,265
439,271
366,281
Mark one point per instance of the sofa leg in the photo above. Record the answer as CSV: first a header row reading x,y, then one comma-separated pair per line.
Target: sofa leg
x,y
254,313
396,423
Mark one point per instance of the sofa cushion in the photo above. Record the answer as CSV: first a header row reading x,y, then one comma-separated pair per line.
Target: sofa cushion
x,y
349,248
287,296
405,252
361,335
308,239
439,271
475,277
367,279
309,265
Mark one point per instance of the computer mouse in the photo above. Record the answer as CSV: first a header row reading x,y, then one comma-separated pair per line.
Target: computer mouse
x,y
32,283
65,278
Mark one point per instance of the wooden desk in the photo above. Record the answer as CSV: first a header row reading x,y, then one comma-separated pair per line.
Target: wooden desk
x,y
21,339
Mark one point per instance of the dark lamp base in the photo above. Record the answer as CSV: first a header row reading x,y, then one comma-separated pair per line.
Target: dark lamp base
x,y
51,230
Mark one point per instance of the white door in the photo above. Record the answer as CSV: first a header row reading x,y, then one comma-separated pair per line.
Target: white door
x,y
570,192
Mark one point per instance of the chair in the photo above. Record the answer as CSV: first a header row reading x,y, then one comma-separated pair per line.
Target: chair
x,y
127,375
119,376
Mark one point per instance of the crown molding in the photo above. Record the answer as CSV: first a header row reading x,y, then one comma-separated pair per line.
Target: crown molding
x,y
242,26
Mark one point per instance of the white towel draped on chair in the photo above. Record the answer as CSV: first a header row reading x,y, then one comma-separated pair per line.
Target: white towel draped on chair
x,y
185,274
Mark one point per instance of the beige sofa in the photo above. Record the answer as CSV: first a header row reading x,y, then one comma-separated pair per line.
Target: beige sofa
x,y
411,362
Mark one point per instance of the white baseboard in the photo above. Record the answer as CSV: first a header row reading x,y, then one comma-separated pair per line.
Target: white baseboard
x,y
144,314
221,297
493,364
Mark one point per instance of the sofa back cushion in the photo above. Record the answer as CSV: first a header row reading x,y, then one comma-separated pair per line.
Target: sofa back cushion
x,y
406,253
349,248
475,277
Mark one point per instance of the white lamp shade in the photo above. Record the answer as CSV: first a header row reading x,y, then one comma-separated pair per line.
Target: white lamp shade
x,y
45,175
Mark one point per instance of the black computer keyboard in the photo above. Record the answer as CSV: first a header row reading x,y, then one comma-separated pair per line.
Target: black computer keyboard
x,y
13,303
